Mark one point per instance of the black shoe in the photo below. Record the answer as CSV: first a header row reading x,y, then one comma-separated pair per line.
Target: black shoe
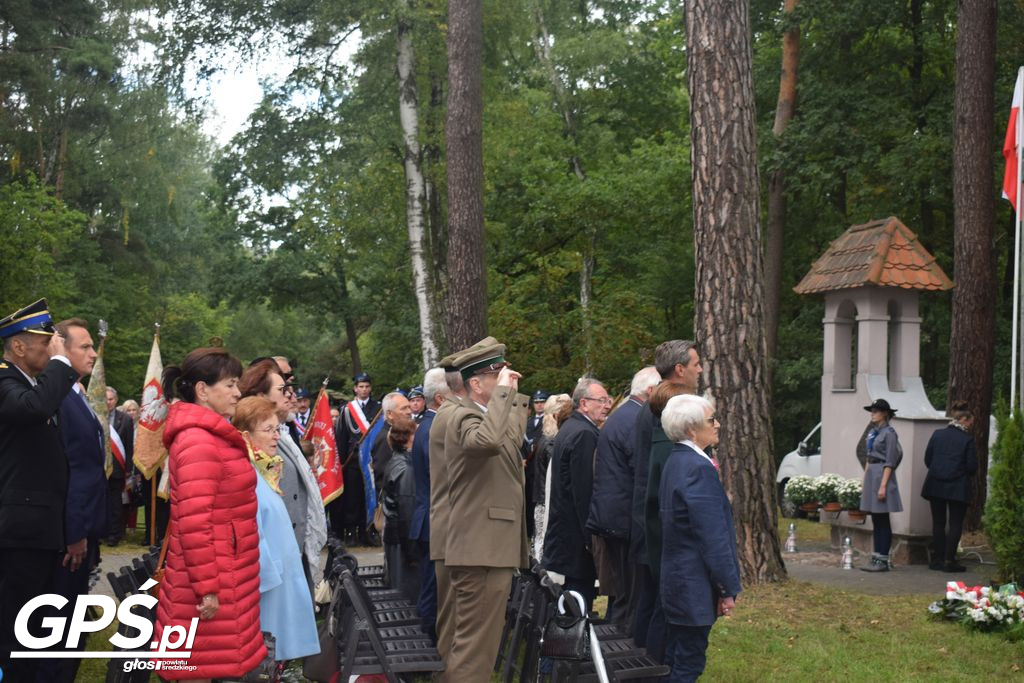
x,y
936,566
953,568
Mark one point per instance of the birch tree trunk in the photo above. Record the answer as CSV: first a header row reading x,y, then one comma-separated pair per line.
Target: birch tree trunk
x,y
972,337
775,236
467,282
415,188
730,271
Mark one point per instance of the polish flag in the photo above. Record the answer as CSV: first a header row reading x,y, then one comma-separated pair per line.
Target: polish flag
x,y
1011,177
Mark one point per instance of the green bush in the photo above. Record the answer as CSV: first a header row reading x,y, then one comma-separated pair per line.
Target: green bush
x,y
1004,512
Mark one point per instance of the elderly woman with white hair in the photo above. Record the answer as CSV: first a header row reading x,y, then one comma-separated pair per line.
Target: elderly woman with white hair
x,y
700,573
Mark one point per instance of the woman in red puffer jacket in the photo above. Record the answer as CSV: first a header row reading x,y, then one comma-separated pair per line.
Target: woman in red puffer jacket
x,y
212,568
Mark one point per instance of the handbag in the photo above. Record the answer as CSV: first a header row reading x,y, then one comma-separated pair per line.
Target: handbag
x,y
323,666
268,670
567,634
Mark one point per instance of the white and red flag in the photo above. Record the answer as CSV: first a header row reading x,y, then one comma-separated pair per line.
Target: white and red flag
x,y
149,434
326,462
1011,176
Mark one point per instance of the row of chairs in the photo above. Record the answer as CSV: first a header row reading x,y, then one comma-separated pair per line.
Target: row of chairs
x,y
125,582
376,630
532,604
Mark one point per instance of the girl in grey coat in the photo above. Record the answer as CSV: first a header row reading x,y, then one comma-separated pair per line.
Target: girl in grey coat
x,y
880,495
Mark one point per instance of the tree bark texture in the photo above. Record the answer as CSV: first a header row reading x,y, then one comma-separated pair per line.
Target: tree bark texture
x,y
729,318
972,336
467,284
415,187
775,236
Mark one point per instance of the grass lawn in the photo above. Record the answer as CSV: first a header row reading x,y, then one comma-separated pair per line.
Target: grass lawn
x,y
796,631
807,632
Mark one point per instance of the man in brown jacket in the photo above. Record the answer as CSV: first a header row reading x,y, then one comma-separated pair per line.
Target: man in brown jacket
x,y
486,539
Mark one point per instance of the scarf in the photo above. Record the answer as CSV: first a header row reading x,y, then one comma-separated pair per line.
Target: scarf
x,y
270,467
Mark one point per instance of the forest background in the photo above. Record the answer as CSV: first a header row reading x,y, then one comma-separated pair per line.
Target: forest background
x,y
294,237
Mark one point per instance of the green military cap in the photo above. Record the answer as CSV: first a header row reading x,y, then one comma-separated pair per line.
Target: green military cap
x,y
487,355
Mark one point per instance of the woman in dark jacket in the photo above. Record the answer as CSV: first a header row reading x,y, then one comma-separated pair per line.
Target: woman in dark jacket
x,y
951,460
401,557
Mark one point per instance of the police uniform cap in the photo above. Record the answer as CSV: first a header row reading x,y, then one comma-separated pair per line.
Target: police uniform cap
x,y
540,395
34,318
416,392
361,377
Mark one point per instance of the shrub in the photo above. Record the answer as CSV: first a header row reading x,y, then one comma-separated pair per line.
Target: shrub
x,y
1004,512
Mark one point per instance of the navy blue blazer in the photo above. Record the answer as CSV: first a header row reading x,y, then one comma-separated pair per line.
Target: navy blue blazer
x,y
85,513
419,529
698,561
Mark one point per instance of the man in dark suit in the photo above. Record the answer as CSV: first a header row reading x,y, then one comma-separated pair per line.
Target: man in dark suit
x,y
122,443
35,376
435,391
677,362
347,512
85,511
566,541
700,571
534,429
612,500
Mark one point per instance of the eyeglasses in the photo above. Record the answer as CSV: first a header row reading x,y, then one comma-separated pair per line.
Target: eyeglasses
x,y
599,399
713,420
268,430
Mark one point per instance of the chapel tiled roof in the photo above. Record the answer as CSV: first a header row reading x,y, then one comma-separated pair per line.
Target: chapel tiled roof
x,y
885,253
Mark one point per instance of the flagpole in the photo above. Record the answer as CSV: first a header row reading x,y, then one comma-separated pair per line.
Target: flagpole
x,y
1014,351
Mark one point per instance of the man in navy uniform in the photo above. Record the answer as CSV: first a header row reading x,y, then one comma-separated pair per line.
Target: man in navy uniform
x,y
35,376
85,511
347,512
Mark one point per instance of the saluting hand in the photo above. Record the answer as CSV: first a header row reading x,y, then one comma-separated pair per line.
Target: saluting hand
x,y
507,377
56,346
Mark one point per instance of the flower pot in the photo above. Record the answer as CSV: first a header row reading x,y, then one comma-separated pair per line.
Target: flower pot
x,y
832,507
809,507
856,515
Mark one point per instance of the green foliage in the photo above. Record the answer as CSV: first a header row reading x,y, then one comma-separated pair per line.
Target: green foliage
x,y
40,233
1004,510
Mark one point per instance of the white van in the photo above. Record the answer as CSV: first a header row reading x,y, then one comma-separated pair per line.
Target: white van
x,y
806,459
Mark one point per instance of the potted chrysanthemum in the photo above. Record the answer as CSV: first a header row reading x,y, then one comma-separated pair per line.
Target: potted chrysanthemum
x,y
849,498
801,492
827,489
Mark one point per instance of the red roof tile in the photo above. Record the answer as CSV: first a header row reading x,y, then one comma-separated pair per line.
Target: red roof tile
x,y
884,253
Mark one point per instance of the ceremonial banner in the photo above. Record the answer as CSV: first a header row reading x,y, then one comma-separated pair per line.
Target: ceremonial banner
x,y
365,462
149,434
96,393
1011,176
326,463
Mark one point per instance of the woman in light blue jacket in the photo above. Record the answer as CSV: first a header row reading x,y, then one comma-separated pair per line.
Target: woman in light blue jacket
x,y
285,608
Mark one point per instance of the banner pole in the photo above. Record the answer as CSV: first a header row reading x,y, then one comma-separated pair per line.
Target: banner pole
x,y
1014,350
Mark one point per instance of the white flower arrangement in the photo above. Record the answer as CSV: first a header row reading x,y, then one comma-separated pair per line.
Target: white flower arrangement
x,y
801,489
981,607
827,487
849,494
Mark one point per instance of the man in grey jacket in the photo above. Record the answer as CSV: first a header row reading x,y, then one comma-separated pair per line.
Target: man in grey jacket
x,y
301,495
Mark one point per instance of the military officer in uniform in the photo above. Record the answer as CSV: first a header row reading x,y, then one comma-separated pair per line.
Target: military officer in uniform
x,y
439,507
486,540
35,376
